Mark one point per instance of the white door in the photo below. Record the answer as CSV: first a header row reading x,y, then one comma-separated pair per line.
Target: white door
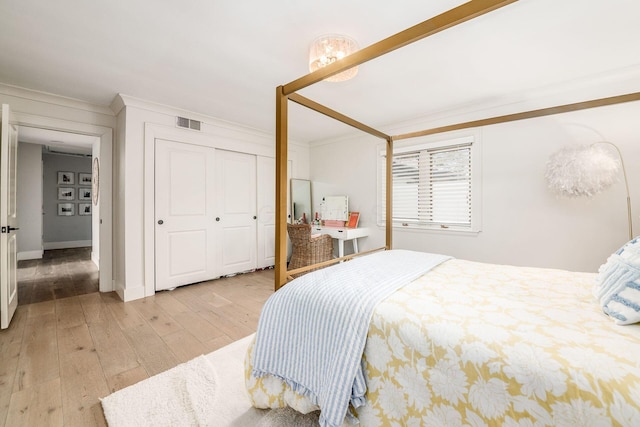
x,y
184,214
8,219
236,211
266,198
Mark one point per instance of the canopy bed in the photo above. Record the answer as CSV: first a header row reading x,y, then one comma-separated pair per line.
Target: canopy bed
x,y
439,345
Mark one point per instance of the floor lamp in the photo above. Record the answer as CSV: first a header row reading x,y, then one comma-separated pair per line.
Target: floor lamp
x,y
586,170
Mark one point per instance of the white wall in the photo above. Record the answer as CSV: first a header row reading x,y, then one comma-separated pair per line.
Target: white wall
x,y
29,199
64,231
523,222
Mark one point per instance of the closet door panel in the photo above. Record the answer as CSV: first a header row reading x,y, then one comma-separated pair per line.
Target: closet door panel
x,y
266,186
184,214
236,211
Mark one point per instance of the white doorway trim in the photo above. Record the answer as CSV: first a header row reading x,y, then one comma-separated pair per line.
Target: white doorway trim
x,y
105,204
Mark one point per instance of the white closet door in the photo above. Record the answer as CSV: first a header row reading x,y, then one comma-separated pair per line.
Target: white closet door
x,y
185,218
236,211
266,185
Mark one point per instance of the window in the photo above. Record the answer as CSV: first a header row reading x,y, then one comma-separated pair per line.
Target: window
x,y
433,185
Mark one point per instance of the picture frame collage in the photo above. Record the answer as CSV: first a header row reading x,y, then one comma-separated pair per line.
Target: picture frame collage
x,y
69,192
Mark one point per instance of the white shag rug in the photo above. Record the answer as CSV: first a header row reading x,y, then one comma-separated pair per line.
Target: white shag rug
x,y
206,391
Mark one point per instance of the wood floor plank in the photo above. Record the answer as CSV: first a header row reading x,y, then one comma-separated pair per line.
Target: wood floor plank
x,y
155,316
153,353
112,347
40,309
40,405
169,303
199,327
192,300
126,378
125,314
94,308
218,343
69,312
83,384
205,293
231,327
10,345
38,362
184,345
75,338
242,314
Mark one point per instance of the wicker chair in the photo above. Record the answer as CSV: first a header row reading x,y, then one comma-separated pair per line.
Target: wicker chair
x,y
307,250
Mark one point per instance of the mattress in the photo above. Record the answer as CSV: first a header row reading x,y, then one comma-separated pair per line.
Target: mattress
x,y
481,344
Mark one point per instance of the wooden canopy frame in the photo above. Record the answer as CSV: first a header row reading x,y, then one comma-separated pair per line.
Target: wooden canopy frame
x,y
455,16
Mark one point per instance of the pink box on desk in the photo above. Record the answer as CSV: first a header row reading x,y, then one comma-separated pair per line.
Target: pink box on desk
x,y
333,223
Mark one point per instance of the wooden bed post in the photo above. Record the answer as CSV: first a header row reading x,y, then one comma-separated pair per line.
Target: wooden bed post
x,y
389,199
281,187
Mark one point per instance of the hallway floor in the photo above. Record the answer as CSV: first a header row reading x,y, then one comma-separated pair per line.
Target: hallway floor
x,y
61,273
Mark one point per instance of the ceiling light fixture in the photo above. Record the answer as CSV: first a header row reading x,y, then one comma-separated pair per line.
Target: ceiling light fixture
x,y
330,48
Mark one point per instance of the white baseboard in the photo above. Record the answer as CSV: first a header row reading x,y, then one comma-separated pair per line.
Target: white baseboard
x,y
95,258
30,255
66,245
131,294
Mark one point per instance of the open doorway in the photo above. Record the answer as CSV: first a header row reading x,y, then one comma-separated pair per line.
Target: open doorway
x,y
59,238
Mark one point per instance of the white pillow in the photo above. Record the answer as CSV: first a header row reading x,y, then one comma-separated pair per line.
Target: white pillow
x,y
618,284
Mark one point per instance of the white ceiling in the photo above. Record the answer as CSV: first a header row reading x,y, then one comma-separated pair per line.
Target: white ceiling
x,y
224,58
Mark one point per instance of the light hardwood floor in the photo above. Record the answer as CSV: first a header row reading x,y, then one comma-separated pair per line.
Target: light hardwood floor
x,y
59,357
60,273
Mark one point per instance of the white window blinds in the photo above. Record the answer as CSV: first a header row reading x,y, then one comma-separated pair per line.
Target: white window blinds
x,y
431,187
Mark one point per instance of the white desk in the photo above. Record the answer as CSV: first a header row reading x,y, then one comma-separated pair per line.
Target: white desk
x,y
341,234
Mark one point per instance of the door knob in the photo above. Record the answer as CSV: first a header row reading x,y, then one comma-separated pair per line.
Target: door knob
x,y
10,228
255,217
160,222
217,218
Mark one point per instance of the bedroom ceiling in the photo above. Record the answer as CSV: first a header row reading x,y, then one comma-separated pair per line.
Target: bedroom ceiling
x,y
225,58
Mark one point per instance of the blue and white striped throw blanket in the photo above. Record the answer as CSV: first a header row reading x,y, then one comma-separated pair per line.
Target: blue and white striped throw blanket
x,y
312,332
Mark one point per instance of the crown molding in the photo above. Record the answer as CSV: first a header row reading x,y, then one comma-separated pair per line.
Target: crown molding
x,y
53,99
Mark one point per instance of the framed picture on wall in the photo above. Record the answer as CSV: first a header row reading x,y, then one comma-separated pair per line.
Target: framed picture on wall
x,y
84,193
84,208
66,209
66,193
66,178
84,178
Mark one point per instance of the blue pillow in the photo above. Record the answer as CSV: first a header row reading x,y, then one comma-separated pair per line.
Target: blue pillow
x,y
618,284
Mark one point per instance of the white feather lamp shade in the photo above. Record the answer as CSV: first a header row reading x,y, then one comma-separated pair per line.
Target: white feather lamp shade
x,y
582,170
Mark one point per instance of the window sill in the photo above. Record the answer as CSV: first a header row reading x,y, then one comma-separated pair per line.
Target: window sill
x,y
434,230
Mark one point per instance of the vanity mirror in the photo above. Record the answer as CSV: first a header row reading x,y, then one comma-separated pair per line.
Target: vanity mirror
x,y
301,200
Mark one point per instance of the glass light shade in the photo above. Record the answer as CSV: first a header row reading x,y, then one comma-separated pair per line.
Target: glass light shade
x,y
328,49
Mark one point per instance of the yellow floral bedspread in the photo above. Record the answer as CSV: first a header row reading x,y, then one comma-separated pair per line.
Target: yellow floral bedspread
x,y
472,344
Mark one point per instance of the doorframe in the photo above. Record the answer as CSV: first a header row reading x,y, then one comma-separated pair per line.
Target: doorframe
x,y
105,203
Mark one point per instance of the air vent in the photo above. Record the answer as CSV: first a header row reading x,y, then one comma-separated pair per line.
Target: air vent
x,y
194,124
183,122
